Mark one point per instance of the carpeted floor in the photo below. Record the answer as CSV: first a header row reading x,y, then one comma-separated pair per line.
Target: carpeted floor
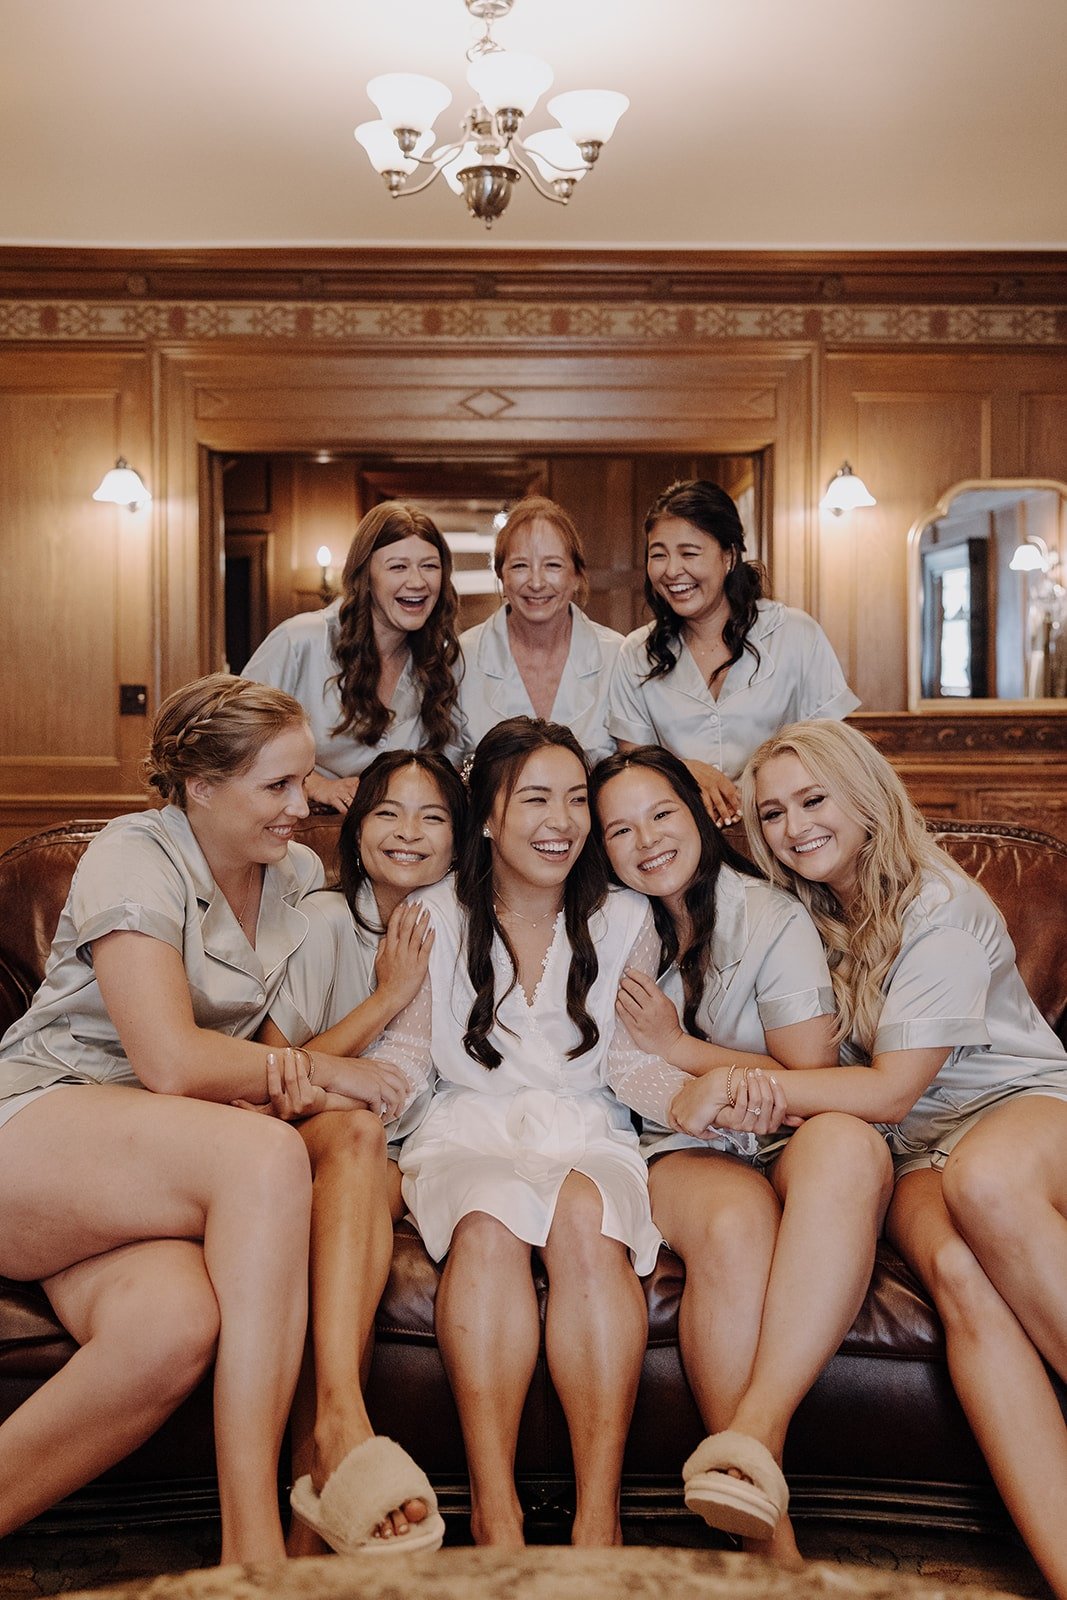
x,y
37,1564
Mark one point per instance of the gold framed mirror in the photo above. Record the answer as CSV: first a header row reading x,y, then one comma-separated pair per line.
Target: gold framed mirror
x,y
987,598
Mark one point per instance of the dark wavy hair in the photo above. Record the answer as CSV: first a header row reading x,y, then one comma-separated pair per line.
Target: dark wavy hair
x,y
373,788
715,852
538,508
495,770
434,647
710,510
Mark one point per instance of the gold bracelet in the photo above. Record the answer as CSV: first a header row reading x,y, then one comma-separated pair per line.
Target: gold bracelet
x,y
731,1090
298,1050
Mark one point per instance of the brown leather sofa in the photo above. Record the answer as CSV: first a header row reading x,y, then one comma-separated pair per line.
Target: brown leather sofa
x,y
880,1437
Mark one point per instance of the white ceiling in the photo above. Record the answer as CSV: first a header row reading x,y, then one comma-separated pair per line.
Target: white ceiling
x,y
754,123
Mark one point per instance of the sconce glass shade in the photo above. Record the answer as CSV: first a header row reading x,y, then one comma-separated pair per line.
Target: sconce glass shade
x,y
408,99
509,80
1029,558
589,116
385,155
846,492
323,556
122,487
555,155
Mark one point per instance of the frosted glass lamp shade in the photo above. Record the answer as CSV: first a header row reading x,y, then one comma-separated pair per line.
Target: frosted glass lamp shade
x,y
323,556
509,80
408,99
122,487
846,492
1027,558
554,155
379,141
589,116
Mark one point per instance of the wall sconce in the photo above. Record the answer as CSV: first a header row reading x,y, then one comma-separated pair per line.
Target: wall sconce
x,y
122,486
1033,555
327,592
846,492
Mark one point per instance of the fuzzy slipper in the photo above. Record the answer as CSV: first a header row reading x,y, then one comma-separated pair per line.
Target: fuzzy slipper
x,y
377,1477
751,1508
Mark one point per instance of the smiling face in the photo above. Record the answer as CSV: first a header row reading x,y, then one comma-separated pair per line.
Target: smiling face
x,y
538,575
250,817
687,569
538,833
405,842
650,835
405,582
805,828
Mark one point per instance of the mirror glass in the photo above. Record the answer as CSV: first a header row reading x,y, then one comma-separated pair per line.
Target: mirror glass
x,y
988,606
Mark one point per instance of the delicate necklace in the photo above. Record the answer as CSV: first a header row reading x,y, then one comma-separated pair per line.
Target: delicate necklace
x,y
535,922
248,895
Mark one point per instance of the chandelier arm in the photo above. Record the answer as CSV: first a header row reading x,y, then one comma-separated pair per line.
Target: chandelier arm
x,y
525,165
564,172
417,188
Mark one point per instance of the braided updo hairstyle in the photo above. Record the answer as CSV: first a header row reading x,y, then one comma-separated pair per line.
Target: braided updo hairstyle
x,y
214,728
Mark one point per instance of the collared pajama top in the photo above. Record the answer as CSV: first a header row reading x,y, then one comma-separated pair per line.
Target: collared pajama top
x,y
492,688
299,657
146,873
797,677
768,970
955,984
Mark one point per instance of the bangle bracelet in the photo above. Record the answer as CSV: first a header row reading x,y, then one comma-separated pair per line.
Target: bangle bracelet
x,y
298,1050
731,1088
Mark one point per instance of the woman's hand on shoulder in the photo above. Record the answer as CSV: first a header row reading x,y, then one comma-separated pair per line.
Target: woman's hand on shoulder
x,y
721,794
337,793
651,1018
404,955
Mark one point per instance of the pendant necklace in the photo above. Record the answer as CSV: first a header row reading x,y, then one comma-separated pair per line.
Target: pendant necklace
x,y
248,896
535,922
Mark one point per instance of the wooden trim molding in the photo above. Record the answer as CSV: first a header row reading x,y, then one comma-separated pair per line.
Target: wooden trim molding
x,y
643,298
845,277
1008,735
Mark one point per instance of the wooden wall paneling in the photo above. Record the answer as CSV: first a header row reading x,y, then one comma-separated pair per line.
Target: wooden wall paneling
x,y
1043,418
599,494
75,607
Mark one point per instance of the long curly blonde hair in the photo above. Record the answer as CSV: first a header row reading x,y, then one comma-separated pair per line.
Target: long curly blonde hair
x,y
863,939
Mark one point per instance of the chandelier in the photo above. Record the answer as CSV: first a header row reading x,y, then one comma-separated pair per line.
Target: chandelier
x,y
489,158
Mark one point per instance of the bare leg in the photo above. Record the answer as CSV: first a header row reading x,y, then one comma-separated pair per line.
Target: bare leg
x,y
998,1375
595,1335
125,1166
720,1216
146,1321
833,1180
489,1333
351,1251
1005,1187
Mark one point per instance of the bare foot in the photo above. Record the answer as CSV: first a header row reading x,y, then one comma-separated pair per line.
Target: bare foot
x,y
499,1524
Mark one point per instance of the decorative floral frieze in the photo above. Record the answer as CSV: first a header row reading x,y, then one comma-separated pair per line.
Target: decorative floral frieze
x,y
547,322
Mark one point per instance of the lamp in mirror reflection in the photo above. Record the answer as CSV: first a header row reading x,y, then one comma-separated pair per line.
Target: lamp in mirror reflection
x,y
1033,555
487,160
846,491
122,486
324,557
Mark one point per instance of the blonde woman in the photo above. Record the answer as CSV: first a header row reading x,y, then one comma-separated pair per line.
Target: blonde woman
x,y
946,1049
168,1228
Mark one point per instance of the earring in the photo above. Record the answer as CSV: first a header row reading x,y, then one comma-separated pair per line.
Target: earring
x,y
358,862
485,831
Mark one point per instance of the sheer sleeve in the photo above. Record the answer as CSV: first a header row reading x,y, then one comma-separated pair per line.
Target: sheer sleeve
x,y
406,1043
645,1083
